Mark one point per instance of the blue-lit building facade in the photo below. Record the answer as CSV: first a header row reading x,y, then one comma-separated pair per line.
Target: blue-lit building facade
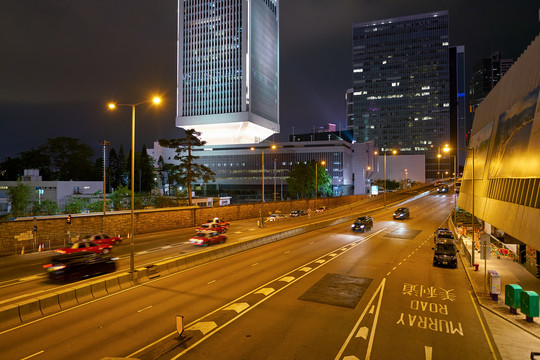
x,y
228,69
401,90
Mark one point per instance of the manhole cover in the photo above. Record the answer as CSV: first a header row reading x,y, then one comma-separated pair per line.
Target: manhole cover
x,y
338,290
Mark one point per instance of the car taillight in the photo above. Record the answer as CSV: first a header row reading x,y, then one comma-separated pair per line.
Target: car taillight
x,y
47,266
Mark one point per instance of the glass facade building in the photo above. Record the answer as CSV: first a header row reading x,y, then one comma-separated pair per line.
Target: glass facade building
x,y
401,85
228,69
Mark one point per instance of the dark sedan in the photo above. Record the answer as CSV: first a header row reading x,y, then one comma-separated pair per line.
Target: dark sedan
x,y
401,213
363,223
72,267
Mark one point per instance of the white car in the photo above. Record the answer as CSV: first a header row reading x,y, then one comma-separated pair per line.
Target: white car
x,y
275,217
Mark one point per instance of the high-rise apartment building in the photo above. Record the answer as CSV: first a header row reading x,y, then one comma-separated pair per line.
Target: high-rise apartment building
x,y
486,73
228,69
401,85
458,107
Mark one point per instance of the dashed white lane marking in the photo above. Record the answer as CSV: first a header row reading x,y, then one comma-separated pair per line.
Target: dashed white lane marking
x,y
146,308
28,357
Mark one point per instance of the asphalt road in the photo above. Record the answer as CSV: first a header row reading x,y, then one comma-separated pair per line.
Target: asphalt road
x,y
330,294
22,276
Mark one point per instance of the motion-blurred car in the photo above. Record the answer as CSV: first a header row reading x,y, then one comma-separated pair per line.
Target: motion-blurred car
x,y
296,213
275,217
71,267
442,188
103,239
212,227
85,246
445,255
215,224
401,213
321,209
363,223
208,238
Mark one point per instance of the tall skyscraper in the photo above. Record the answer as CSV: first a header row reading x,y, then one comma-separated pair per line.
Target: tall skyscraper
x,y
401,84
458,105
228,69
486,73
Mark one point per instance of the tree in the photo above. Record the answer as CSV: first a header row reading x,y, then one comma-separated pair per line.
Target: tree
x,y
146,168
47,207
302,178
118,197
187,171
19,197
70,160
74,206
162,170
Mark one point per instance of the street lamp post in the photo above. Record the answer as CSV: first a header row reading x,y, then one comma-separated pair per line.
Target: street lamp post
x,y
393,152
155,100
446,148
273,147
105,143
316,180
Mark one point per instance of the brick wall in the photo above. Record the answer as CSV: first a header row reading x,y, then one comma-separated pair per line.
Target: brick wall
x,y
53,230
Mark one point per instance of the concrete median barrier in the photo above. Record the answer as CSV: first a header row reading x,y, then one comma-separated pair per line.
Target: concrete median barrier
x,y
9,316
49,304
98,288
83,293
112,284
67,298
124,280
29,310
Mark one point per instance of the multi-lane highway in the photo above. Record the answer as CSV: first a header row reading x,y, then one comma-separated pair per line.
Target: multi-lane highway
x,y
329,294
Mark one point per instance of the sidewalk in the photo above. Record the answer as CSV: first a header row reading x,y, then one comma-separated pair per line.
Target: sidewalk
x,y
521,337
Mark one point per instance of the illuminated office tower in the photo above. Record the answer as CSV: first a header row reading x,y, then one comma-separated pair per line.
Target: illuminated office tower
x,y
228,69
401,91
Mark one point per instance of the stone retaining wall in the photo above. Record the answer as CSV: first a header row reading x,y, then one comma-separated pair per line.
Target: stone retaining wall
x,y
54,232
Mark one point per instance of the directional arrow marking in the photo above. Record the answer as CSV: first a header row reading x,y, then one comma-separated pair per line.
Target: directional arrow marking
x,y
429,352
287,278
238,307
362,332
265,291
204,326
305,269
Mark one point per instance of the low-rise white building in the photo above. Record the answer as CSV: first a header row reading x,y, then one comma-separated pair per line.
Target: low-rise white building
x,y
57,191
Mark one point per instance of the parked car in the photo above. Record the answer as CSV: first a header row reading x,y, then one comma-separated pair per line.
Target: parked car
x,y
85,246
442,188
296,213
104,239
208,238
363,223
445,255
75,266
275,217
401,213
321,209
443,235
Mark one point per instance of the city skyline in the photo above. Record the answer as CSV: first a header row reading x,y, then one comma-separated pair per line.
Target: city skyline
x,y
65,65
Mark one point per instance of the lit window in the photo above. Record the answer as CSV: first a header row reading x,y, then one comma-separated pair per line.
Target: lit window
x,y
358,70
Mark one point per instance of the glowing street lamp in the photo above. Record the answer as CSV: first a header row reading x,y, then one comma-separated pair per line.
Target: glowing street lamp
x,y
156,100
447,149
316,181
394,152
273,147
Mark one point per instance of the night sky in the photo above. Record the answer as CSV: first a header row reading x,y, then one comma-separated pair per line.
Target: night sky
x,y
61,61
